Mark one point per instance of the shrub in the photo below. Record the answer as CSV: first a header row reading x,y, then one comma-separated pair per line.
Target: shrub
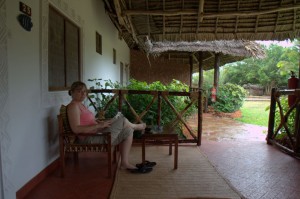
x,y
101,99
230,98
140,101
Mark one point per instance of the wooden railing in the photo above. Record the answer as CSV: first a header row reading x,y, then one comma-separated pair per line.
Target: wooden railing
x,y
291,142
195,98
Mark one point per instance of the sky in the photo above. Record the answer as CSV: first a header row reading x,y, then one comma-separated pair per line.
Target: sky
x,y
285,43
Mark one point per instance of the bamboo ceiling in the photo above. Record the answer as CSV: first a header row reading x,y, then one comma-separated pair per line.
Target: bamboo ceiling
x,y
200,20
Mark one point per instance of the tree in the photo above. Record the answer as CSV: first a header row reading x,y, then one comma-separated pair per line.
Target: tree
x,y
208,78
273,71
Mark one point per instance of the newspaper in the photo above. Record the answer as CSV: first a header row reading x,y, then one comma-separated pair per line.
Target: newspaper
x,y
119,114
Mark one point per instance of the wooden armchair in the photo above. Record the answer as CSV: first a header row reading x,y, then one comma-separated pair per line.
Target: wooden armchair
x,y
67,142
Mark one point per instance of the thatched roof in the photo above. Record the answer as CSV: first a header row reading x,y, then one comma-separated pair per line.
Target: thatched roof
x,y
239,48
203,20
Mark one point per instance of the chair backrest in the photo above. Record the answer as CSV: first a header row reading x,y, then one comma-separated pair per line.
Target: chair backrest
x,y
69,135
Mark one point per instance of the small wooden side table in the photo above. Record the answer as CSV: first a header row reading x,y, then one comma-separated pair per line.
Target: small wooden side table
x,y
163,137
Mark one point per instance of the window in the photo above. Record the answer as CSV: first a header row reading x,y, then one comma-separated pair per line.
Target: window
x,y
63,52
98,43
114,56
126,73
121,73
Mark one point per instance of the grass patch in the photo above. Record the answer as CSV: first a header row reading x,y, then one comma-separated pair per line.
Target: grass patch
x,y
254,112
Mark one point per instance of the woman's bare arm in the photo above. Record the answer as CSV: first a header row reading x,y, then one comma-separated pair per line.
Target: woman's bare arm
x,y
74,120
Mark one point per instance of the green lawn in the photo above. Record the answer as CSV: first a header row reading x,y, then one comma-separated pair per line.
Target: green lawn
x,y
254,112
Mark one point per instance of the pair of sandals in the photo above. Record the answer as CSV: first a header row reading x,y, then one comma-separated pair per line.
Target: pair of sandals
x,y
144,167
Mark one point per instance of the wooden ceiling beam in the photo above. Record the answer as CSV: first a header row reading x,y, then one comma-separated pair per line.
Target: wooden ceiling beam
x,y
112,16
217,19
277,19
200,14
108,5
132,30
295,17
216,25
257,18
207,15
125,21
164,22
294,22
181,21
188,33
148,20
237,17
118,12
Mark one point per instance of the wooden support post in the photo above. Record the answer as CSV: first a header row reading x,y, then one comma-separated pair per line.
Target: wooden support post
x,y
271,116
200,83
159,108
297,118
191,72
297,123
120,101
200,117
297,129
200,97
216,71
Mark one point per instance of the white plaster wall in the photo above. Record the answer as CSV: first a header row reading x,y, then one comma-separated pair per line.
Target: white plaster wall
x,y
29,142
4,139
96,65
25,128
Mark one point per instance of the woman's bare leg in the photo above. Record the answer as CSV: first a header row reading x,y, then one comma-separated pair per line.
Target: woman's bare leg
x,y
141,126
125,147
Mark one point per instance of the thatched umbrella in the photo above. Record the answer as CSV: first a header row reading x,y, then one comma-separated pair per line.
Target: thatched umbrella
x,y
238,48
230,47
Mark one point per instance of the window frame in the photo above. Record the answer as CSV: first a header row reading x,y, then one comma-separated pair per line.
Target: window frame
x,y
65,76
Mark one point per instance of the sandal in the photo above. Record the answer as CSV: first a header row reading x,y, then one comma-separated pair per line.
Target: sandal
x,y
146,164
143,169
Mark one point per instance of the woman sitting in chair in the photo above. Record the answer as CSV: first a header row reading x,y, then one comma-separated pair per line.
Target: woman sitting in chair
x,y
83,120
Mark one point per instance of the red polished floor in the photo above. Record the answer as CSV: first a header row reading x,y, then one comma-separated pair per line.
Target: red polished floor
x,y
86,179
255,169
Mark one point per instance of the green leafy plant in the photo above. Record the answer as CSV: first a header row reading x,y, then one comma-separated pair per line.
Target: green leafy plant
x,y
101,99
230,98
140,101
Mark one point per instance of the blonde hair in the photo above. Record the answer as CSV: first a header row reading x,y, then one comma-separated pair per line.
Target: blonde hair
x,y
76,85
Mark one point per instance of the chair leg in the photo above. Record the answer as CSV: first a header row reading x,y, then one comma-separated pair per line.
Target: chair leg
x,y
170,147
62,165
109,163
75,156
115,155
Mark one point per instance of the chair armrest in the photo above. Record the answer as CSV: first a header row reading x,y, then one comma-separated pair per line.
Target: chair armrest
x,y
92,134
86,134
